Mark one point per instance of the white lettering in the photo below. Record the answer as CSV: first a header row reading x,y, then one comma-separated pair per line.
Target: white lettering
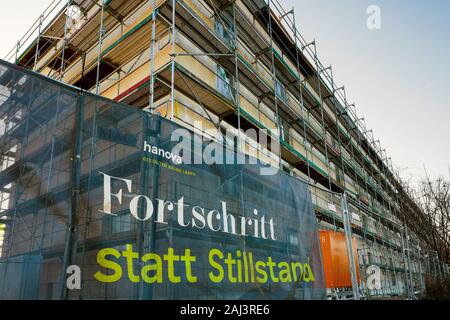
x,y
148,208
107,192
162,153
142,209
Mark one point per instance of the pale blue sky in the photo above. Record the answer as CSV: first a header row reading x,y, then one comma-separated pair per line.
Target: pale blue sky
x,y
398,76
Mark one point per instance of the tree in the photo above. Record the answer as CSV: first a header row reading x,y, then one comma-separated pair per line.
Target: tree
x,y
434,198
426,211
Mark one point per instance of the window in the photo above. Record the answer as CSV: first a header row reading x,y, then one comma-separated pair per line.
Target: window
x,y
292,237
393,279
223,83
280,91
225,32
284,129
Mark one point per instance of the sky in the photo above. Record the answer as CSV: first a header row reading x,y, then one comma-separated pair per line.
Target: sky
x,y
398,76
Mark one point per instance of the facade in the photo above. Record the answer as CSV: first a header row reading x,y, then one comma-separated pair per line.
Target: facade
x,y
216,66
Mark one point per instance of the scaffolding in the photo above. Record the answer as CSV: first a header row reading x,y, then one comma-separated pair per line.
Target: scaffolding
x,y
215,54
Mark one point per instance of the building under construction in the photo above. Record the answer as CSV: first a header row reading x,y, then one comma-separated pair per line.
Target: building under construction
x,y
211,66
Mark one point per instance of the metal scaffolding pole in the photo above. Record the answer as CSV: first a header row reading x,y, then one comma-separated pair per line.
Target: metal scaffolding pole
x,y
101,34
302,102
349,242
70,248
366,185
394,268
36,55
299,84
388,202
371,140
241,175
405,264
400,228
322,118
274,77
172,63
383,259
152,57
145,231
16,58
236,78
422,281
408,255
334,90
384,216
88,211
152,124
62,70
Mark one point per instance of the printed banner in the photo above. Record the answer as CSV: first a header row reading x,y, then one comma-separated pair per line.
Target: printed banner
x,y
106,201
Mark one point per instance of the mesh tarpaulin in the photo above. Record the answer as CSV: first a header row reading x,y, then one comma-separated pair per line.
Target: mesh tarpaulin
x,y
96,204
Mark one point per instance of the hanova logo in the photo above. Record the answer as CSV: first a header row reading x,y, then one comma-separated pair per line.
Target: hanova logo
x,y
212,147
162,153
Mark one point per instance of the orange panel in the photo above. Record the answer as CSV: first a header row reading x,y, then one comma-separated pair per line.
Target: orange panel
x,y
335,260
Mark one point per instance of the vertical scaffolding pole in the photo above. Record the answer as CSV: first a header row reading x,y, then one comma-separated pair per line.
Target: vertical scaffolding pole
x,y
172,68
274,77
422,281
370,140
152,56
72,229
382,215
333,90
49,176
236,77
100,42
144,290
366,189
389,208
383,259
322,118
349,242
62,70
16,58
300,86
408,255
397,198
88,210
51,171
406,265
36,55
153,125
238,106
394,268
